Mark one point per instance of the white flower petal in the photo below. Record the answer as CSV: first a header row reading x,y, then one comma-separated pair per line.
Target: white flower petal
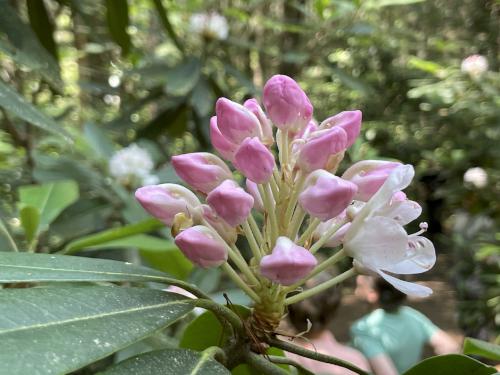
x,y
406,287
421,257
403,212
379,243
398,180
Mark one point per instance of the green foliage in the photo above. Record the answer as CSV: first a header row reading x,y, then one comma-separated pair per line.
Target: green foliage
x,y
180,362
482,348
451,364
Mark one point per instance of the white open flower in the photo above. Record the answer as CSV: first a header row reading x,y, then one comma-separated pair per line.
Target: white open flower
x,y
211,25
476,176
132,165
474,65
378,242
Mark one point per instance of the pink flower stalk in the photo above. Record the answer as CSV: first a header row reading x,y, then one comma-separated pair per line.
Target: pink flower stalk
x,y
225,147
167,200
325,195
349,121
231,202
267,130
236,122
201,170
254,160
369,176
320,149
253,189
288,262
226,231
202,246
286,103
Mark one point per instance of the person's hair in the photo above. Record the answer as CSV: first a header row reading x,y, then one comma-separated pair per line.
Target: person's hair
x,y
389,298
319,309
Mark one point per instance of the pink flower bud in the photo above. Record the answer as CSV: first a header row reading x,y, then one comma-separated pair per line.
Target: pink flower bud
x,y
225,147
310,128
235,121
201,170
254,160
166,200
226,231
286,103
369,176
253,189
202,246
325,195
350,121
231,202
267,131
288,263
320,148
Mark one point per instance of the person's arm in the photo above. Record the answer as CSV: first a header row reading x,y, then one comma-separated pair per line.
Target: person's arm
x,y
382,365
443,343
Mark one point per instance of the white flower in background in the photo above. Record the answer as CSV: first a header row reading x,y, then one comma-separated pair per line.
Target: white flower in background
x,y
132,165
474,65
476,176
211,25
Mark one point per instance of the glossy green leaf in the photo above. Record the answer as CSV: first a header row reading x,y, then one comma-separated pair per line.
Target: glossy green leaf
x,y
59,330
118,21
113,234
450,364
42,25
482,348
25,267
183,77
23,46
169,362
15,104
30,220
49,199
7,243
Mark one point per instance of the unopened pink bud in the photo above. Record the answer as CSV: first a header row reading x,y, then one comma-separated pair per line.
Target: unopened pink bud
x,y
253,189
202,246
369,176
350,121
231,202
235,121
288,262
325,195
226,231
167,200
286,103
225,147
201,170
310,128
320,147
254,160
267,131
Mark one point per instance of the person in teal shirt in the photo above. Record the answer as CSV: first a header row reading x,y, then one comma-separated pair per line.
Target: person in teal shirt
x,y
393,336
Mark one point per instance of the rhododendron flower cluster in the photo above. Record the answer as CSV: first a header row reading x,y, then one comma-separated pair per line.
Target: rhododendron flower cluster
x,y
292,203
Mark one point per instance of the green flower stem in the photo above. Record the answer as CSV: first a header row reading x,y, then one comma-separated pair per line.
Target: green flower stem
x,y
221,311
256,230
275,189
299,182
216,353
251,240
236,257
319,268
262,365
270,208
309,231
238,281
296,222
326,236
287,361
321,287
292,348
286,146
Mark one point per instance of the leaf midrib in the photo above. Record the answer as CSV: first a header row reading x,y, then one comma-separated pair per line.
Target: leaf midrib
x,y
90,317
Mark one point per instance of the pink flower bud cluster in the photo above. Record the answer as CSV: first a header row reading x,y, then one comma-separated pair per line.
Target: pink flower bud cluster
x,y
289,164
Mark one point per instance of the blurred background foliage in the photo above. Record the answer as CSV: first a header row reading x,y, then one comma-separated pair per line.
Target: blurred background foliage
x,y
81,80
